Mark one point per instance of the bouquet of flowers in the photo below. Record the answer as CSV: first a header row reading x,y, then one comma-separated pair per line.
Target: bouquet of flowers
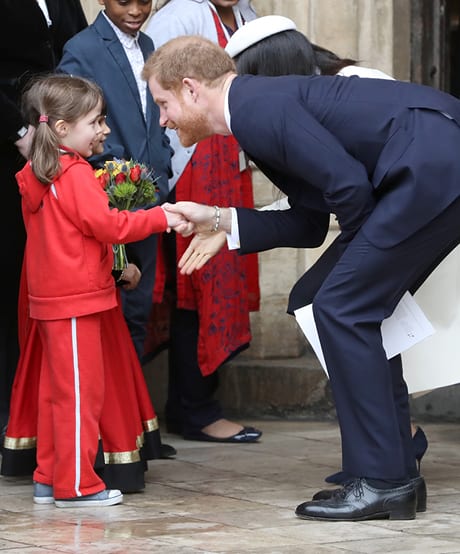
x,y
129,185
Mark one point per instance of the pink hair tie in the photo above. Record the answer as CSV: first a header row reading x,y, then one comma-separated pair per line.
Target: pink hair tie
x,y
43,119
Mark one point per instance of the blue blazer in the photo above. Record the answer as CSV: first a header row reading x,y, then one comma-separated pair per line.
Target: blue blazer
x,y
97,54
347,146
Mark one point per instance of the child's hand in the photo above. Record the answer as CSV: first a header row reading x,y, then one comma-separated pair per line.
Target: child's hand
x,y
132,275
178,223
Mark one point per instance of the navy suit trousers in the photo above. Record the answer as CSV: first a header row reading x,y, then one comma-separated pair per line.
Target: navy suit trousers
x,y
371,398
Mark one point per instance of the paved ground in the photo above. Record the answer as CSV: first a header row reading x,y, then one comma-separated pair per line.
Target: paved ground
x,y
240,499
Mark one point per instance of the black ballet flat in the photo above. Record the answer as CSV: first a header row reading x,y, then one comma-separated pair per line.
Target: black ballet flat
x,y
247,434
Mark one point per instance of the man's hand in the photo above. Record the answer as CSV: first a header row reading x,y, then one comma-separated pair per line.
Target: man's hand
x,y
202,248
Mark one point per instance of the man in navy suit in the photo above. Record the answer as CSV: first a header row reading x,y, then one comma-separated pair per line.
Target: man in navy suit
x,y
383,157
111,51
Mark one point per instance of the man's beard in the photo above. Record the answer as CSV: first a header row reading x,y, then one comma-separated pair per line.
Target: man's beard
x,y
193,128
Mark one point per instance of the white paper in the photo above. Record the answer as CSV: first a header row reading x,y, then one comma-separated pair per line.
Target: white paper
x,y
435,362
406,327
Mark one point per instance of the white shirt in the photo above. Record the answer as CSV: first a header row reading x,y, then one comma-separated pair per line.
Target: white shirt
x,y
44,8
136,60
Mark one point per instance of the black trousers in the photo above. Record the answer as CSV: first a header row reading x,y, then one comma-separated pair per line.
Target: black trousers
x,y
191,404
13,242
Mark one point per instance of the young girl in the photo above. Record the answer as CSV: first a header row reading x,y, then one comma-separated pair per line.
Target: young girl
x,y
71,290
129,431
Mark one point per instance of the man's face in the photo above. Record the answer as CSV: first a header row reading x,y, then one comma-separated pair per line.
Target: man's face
x,y
180,111
127,15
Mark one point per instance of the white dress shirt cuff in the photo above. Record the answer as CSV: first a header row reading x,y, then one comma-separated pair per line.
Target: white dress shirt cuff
x,y
233,238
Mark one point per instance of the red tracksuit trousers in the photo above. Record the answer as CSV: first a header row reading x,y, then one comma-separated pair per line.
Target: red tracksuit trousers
x,y
71,397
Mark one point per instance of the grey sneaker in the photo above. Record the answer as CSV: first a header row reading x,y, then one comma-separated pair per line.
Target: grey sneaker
x,y
43,494
106,497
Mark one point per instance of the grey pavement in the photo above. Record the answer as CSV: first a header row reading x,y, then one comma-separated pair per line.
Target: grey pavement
x,y
240,499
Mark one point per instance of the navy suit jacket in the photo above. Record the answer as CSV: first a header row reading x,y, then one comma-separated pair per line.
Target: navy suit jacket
x,y
340,145
97,54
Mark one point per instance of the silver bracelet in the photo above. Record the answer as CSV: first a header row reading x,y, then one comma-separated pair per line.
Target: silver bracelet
x,y
217,218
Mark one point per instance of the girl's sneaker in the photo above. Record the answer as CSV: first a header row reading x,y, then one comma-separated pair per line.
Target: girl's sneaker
x,y
106,497
43,494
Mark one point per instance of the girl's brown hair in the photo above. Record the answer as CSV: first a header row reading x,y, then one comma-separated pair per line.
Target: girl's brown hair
x,y
47,100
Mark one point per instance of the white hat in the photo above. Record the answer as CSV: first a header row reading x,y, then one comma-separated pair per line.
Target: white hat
x,y
256,30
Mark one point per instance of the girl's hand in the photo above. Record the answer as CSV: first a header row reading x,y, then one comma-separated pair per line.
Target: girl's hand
x,y
178,223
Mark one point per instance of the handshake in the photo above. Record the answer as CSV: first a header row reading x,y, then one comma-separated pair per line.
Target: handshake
x,y
209,224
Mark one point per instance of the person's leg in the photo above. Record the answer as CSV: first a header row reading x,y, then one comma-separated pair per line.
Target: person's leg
x,y
192,400
13,250
137,303
370,395
72,349
360,292
191,405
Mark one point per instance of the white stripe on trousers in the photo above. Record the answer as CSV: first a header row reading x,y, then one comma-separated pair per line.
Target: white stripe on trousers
x,y
76,377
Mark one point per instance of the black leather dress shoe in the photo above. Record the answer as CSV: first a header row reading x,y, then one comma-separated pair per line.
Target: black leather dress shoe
x,y
247,434
417,482
358,501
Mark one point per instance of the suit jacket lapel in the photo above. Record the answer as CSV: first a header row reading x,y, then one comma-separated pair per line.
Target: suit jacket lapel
x,y
146,48
118,53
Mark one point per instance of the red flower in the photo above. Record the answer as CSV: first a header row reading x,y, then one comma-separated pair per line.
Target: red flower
x,y
120,178
104,179
135,174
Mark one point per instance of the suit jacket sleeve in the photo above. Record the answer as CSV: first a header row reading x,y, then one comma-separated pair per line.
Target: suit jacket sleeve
x,y
297,227
297,146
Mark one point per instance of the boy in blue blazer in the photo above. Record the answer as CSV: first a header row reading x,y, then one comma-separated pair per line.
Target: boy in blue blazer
x,y
111,52
380,155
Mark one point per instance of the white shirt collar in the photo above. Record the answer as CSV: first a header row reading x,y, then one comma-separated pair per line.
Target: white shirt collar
x,y
44,9
227,108
128,41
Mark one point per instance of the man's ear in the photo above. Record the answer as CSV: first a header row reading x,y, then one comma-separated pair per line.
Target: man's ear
x,y
190,87
101,2
61,128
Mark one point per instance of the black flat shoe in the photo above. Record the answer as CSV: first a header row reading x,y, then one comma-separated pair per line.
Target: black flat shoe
x,y
247,434
358,501
418,483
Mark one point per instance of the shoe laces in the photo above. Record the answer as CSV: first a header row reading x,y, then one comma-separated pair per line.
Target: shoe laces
x,y
355,487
